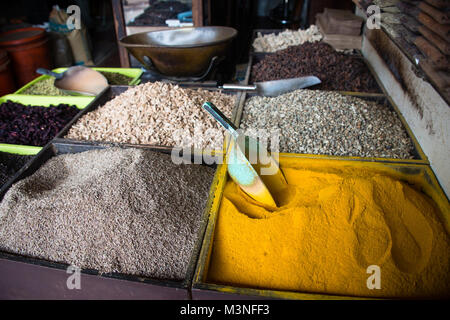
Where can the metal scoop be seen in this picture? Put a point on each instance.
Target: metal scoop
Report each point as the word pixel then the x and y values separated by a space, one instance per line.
pixel 276 87
pixel 260 179
pixel 78 80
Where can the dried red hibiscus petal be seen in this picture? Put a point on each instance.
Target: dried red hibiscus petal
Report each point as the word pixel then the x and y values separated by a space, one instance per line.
pixel 33 125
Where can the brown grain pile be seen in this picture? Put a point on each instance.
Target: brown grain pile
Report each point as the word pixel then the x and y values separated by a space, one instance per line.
pixel 157 114
pixel 113 210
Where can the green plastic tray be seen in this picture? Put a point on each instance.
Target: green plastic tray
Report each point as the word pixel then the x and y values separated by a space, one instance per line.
pixel 134 73
pixel 79 102
pixel 20 149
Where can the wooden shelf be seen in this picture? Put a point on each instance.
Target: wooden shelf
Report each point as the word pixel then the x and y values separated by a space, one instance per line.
pixel 414 55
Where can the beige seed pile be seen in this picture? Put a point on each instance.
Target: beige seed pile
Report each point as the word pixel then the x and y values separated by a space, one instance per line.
pixel 113 210
pixel 273 42
pixel 326 122
pixel 157 114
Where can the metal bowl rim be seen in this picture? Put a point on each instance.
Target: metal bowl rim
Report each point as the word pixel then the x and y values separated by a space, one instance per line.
pixel 132 45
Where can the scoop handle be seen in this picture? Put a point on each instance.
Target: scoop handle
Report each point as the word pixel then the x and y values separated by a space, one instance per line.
pixel 234 86
pixel 220 117
pixel 49 73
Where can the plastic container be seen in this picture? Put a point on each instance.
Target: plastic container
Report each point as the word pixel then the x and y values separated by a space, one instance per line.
pixel 79 102
pixel 7 84
pixel 28 49
pixel 134 73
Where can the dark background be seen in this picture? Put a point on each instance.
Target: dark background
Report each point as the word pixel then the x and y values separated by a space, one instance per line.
pixel 97 15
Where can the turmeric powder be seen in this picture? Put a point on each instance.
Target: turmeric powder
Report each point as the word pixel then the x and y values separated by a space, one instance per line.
pixel 333 223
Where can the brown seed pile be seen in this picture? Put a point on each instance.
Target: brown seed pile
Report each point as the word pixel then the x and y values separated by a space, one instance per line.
pixel 157 114
pixel 336 70
pixel 113 210
pixel 326 122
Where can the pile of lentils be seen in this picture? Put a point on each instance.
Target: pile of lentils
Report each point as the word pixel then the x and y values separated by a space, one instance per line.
pixel 116 79
pixel 46 87
pixel 337 70
pixel 329 123
pixel 129 211
pixel 33 125
pixel 9 164
pixel 156 113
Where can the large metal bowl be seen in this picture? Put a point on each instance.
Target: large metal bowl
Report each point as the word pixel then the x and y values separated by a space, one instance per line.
pixel 183 52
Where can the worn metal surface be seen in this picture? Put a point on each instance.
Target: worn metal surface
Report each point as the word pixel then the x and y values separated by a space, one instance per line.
pixel 34 280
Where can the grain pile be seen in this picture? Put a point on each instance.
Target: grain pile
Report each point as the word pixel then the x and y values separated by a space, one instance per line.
pixel 113 210
pixel 116 79
pixel 273 42
pixel 44 87
pixel 157 114
pixel 337 70
pixel 325 122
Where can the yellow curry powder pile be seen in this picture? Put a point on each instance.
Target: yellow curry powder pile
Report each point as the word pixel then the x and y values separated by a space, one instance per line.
pixel 331 226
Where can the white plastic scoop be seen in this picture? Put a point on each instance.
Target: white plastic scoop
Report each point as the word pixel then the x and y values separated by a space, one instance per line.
pixel 78 80
pixel 260 179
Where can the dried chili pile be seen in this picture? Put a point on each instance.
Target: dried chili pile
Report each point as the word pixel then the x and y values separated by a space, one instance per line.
pixel 32 125
pixel 336 70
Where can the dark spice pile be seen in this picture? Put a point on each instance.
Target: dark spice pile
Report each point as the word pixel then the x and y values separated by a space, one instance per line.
pixel 32 125
pixel 159 12
pixel 336 70
pixel 116 79
pixel 9 164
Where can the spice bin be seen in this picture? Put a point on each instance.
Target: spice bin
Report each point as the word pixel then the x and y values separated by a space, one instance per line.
pixel 418 175
pixel 79 102
pixel 25 277
pixel 114 91
pixel 258 57
pixel 418 154
pixel 133 73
